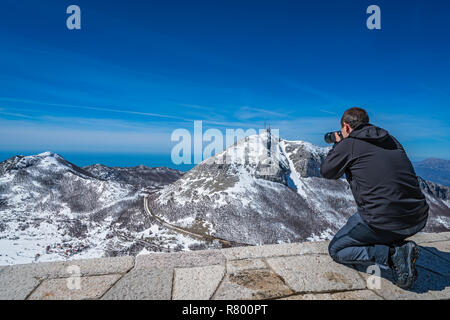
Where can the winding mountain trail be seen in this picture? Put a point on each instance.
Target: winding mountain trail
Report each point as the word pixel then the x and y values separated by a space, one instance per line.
pixel 225 243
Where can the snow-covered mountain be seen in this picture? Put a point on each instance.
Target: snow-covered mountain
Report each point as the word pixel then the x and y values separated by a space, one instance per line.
pixel 261 190
pixel 268 190
pixel 50 209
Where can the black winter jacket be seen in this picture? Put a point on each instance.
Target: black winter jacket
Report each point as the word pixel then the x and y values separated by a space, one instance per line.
pixel 382 178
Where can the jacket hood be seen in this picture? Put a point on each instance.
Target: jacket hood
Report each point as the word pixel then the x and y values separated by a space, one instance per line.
pixel 369 132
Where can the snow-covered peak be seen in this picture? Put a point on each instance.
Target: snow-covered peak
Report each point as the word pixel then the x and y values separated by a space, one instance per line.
pixel 255 152
pixel 45 163
pixel 261 159
pixel 49 154
pixel 50 161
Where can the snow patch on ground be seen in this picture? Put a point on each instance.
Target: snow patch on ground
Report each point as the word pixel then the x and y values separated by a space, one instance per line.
pixel 325 235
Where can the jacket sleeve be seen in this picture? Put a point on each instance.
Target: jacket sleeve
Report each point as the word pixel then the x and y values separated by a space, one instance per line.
pixel 337 160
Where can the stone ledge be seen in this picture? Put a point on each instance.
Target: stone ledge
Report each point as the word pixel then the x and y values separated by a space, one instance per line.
pixel 282 271
pixel 274 250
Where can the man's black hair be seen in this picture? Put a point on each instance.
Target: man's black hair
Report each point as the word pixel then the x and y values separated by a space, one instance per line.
pixel 355 117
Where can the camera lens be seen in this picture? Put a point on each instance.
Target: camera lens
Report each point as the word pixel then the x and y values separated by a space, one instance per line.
pixel 330 137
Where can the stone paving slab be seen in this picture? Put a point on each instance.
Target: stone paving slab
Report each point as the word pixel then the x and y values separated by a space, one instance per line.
pixel 274 250
pixel 252 284
pixel 234 266
pixel 428 285
pixel 64 269
pixel 16 285
pixel 347 295
pixel 198 283
pixel 64 289
pixel 315 273
pixel 138 284
pixel 180 259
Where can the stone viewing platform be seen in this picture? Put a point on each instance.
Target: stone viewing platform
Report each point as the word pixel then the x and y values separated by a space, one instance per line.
pixel 280 271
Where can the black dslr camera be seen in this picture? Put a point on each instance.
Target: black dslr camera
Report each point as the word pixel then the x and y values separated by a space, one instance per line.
pixel 331 138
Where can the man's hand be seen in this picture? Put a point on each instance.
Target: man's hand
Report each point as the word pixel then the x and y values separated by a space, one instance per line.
pixel 338 138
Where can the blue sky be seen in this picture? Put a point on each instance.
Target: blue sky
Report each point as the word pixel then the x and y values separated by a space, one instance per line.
pixel 114 91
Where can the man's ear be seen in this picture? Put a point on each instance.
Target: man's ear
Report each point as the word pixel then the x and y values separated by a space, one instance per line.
pixel 347 128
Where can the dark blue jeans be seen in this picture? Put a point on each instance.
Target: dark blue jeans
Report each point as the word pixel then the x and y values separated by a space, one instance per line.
pixel 358 243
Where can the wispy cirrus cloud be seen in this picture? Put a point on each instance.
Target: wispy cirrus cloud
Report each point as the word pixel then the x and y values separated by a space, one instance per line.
pixel 106 109
pixel 327 111
pixel 246 112
pixel 13 114
pixel 209 120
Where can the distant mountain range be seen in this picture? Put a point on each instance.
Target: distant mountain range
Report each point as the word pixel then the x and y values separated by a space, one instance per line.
pixel 140 176
pixel 268 190
pixel 436 170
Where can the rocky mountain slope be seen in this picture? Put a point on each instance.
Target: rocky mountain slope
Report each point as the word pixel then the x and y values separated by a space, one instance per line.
pixel 438 198
pixel 267 190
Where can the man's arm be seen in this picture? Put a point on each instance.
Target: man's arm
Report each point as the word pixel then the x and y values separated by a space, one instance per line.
pixel 337 160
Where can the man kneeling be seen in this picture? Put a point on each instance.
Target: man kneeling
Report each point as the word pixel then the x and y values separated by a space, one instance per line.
pixel 391 206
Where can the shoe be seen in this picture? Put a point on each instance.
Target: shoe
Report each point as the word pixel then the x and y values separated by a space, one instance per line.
pixel 403 264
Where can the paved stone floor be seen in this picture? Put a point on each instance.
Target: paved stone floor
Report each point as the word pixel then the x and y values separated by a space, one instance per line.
pixel 284 271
